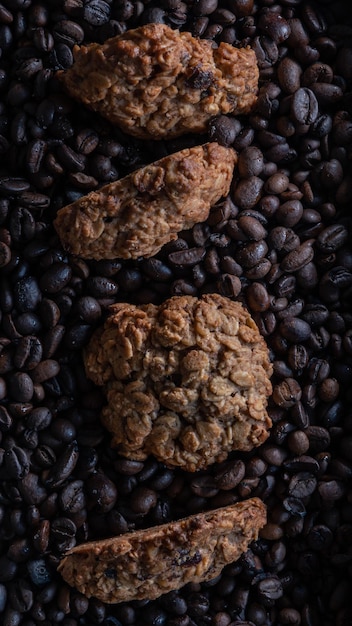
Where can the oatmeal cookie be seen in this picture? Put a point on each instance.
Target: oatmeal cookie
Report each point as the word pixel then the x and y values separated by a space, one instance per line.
pixel 186 381
pixel 137 215
pixel 155 82
pixel 145 564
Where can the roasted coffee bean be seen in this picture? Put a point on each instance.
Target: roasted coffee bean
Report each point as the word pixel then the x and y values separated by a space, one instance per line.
pixel 289 213
pixel 27 294
pixel 295 329
pixel 100 492
pixel 248 192
pixel 283 239
pixel 63 466
pixel 101 287
pixel 16 462
pixel 63 533
pixel 250 162
pixel 326 94
pixel 72 498
pixel 319 438
pixel 269 590
pixel 287 393
pixel 289 75
pixel 298 258
pixel 266 51
pixel 332 238
pixel 251 253
pixel 277 183
pixel 304 106
pixel 257 297
pixel 186 258
pixel 223 130
pixel 331 490
pixel 68 32
pixel 28 353
pixel 21 387
pixel 55 278
pixel 157 270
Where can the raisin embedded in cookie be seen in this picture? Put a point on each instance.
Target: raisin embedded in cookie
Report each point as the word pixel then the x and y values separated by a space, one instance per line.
pixel 187 381
pixel 137 215
pixel 148 563
pixel 155 82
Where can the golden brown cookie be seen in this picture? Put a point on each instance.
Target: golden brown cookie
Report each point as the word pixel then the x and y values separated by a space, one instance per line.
pixel 187 381
pixel 148 563
pixel 155 82
pixel 137 215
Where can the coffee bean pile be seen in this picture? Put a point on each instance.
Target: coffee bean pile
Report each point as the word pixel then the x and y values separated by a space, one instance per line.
pixel 280 243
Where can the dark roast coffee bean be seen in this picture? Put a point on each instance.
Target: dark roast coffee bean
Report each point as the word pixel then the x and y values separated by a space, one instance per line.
pixel 257 297
pixel 274 25
pixel 248 192
pixel 269 590
pixel 26 294
pixel 63 533
pixel 295 329
pixel 68 32
pixel 28 353
pixel 298 258
pixel 250 162
pixel 100 492
pixel 304 106
pixel 63 467
pixel 56 278
pixel 287 393
pixel 16 462
pixel 326 94
pixel 223 129
pixel 72 497
pixel 186 258
pixel 289 75
pixel 332 238
pixel 251 253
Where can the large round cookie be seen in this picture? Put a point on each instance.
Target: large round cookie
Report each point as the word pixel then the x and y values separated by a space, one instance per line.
pixel 187 381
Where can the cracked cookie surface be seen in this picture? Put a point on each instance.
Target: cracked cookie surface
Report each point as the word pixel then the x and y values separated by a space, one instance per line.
pixel 136 215
pixel 157 82
pixel 187 381
pixel 145 564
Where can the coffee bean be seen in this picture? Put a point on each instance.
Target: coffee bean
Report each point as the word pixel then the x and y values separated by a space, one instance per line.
pixel 325 93
pixel 287 393
pixel 100 491
pixel 63 533
pixel 266 50
pixel 223 130
pixel 289 213
pixel 186 258
pixel 289 75
pixel 63 466
pixel 331 490
pixel 295 329
pixel 304 106
pixel 16 462
pixel 269 590
pixel 251 253
pixel 250 162
pixel 332 238
pixel 257 297
pixel 230 475
pixel 28 353
pixel 72 497
pixel 55 278
pixel 298 258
